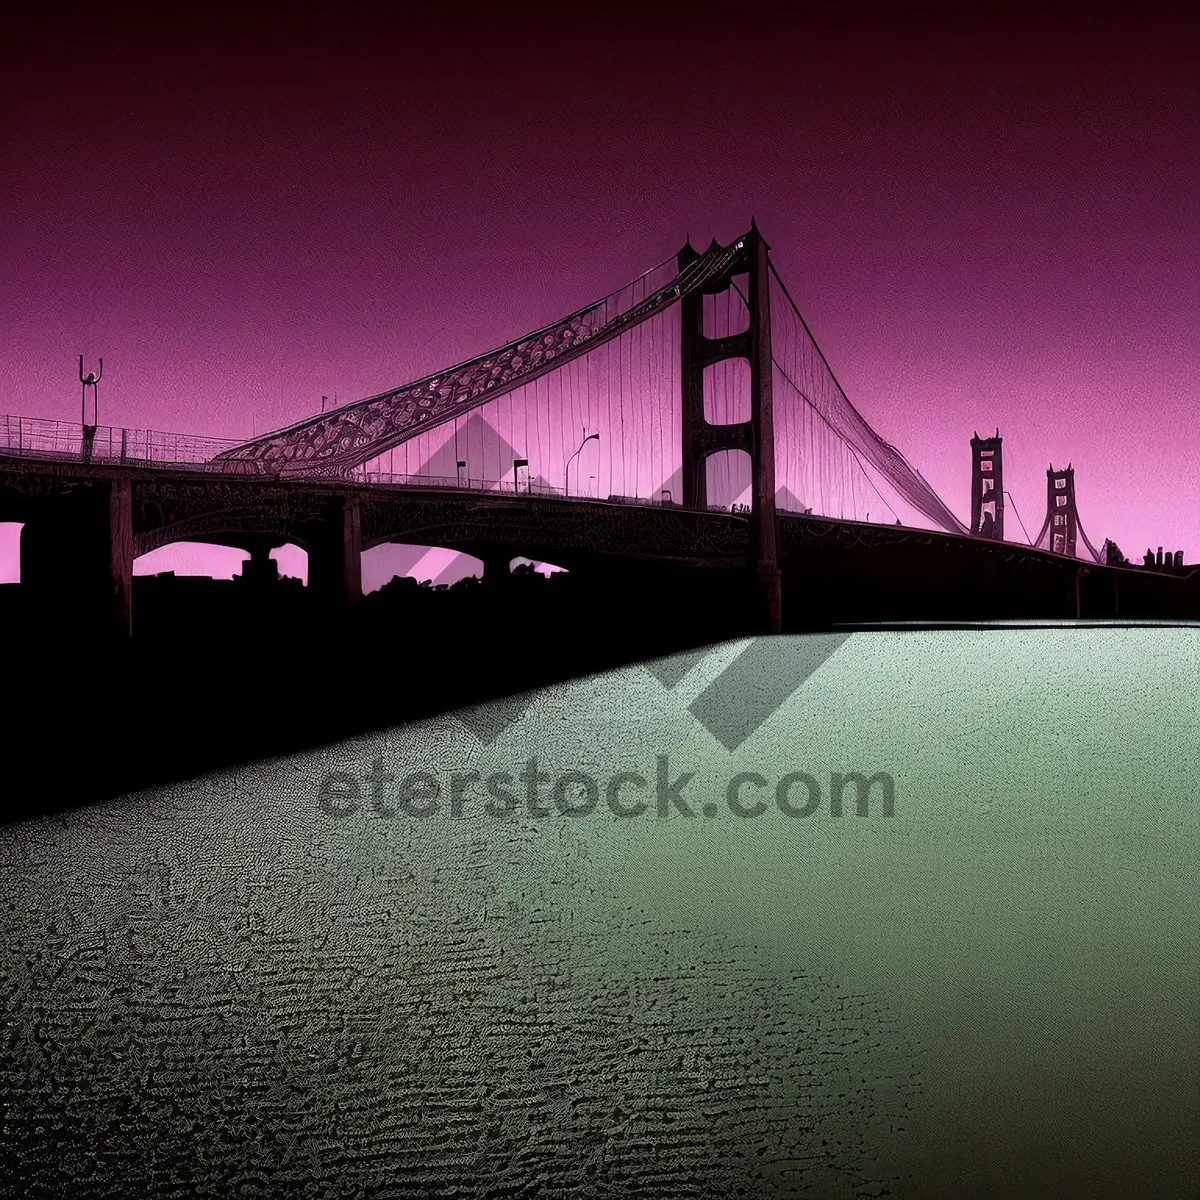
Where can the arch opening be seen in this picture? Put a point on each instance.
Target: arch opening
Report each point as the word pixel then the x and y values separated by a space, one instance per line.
pixel 727 392
pixel 10 551
pixel 292 561
pixel 211 560
pixel 431 565
pixel 540 568
pixel 729 478
pixel 726 313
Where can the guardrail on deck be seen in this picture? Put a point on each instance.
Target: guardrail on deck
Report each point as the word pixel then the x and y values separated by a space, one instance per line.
pixel 111 445
pixel 37 437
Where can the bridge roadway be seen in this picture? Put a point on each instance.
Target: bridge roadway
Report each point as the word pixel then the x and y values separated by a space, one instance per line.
pixel 86 523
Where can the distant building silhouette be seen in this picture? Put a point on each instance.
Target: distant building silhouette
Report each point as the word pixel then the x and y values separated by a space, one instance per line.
pixel 1163 560
pixel 1112 554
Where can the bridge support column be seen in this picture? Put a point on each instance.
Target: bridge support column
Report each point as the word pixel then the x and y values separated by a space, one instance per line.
pixel 764 534
pixel 77 559
pixel 756 437
pixel 770 600
pixel 260 567
pixel 335 556
pixel 497 568
pixel 120 575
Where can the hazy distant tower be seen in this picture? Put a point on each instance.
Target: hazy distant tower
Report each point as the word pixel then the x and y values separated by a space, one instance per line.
pixel 1062 521
pixel 987 487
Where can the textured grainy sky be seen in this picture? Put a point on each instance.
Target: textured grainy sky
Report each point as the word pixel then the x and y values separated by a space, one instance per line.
pixel 986 221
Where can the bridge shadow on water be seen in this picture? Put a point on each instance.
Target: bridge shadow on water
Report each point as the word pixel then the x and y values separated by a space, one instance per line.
pixel 221 672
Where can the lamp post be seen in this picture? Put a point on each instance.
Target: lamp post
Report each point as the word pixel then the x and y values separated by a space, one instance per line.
pixel 567 470
pixel 90 380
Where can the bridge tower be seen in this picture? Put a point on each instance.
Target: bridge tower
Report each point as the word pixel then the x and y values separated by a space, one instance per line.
pixel 757 435
pixel 987 487
pixel 1062 521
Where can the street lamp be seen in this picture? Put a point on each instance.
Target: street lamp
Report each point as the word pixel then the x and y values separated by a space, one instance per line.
pixel 567 470
pixel 90 380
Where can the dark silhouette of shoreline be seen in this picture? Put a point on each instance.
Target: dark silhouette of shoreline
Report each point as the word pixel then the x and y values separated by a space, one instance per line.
pixel 221 672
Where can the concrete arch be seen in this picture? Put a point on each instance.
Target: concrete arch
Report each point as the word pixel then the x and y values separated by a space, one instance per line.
pixel 222 529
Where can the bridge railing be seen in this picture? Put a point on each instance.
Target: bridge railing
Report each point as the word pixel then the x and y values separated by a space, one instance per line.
pixel 534 487
pixel 37 437
pixel 112 445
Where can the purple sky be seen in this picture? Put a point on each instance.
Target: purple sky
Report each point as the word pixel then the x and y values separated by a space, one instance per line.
pixel 985 225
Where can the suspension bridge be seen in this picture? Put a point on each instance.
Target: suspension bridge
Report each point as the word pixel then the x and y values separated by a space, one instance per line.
pixel 687 420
